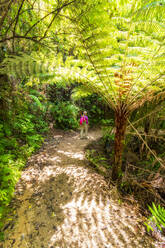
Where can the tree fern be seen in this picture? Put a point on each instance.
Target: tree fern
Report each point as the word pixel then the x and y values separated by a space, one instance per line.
pixel 121 44
pixel 122 56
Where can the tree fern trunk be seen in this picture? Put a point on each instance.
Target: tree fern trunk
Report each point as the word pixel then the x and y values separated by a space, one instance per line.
pixel 120 124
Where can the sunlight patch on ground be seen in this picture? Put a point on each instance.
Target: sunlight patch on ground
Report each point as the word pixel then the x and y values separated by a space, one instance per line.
pixel 90 137
pixel 93 219
pixel 55 159
pixel 78 173
pixel 68 205
pixel 57 136
pixel 77 155
pixel 32 173
pixel 90 224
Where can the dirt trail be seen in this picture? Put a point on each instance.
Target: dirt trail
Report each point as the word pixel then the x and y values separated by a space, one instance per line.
pixel 60 202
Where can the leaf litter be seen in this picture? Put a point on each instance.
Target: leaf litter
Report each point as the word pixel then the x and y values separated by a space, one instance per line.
pixel 60 201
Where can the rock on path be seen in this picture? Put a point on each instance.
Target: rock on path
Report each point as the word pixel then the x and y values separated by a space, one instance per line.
pixel 61 203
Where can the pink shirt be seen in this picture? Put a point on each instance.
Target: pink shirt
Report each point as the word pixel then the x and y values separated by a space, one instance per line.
pixel 83 118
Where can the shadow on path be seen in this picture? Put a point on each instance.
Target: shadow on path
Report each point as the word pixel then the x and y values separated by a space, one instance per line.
pixel 61 202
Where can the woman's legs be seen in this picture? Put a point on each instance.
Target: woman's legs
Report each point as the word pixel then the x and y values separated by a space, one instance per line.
pixel 81 131
pixel 86 130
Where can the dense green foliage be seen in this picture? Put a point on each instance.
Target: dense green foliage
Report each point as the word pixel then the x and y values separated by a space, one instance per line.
pixel 104 45
pixel 67 102
pixel 158 217
pixel 65 115
pixel 22 126
pixel 58 58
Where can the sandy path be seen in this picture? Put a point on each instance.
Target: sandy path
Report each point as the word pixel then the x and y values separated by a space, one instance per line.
pixel 60 202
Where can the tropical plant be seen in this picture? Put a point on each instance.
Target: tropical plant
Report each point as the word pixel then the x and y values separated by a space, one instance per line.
pixel 118 53
pixel 31 24
pixel 65 115
pixel 25 27
pixel 158 217
pixel 115 40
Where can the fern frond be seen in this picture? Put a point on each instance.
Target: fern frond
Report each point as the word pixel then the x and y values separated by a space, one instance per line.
pixel 37 101
pixel 154 9
pixel 22 66
pixel 80 92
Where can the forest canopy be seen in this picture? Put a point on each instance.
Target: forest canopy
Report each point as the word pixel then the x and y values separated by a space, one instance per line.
pixel 53 53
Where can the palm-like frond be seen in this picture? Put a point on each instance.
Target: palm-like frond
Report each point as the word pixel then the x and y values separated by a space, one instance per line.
pixel 115 46
pixel 151 10
pixel 120 51
pixel 23 66
pixel 121 47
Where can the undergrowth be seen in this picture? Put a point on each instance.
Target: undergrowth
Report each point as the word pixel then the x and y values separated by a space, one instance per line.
pixel 141 179
pixel 22 127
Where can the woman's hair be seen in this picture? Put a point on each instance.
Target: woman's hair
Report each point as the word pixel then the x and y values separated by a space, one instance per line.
pixel 85 112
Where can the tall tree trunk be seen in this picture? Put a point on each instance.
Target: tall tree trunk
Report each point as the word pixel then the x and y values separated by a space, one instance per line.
pixel 120 124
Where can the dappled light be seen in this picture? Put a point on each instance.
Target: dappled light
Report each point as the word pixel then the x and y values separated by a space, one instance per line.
pixel 65 203
pixel 73 155
pixel 82 126
pixel 95 222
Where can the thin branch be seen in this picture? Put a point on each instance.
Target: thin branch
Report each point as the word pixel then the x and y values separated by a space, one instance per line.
pixel 50 24
pixel 20 37
pixel 145 116
pixel 156 195
pixel 32 4
pixel 140 136
pixel 11 23
pixel 147 135
pixel 57 10
pixel 38 22
pixel 146 170
pixel 134 98
pixel 17 18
